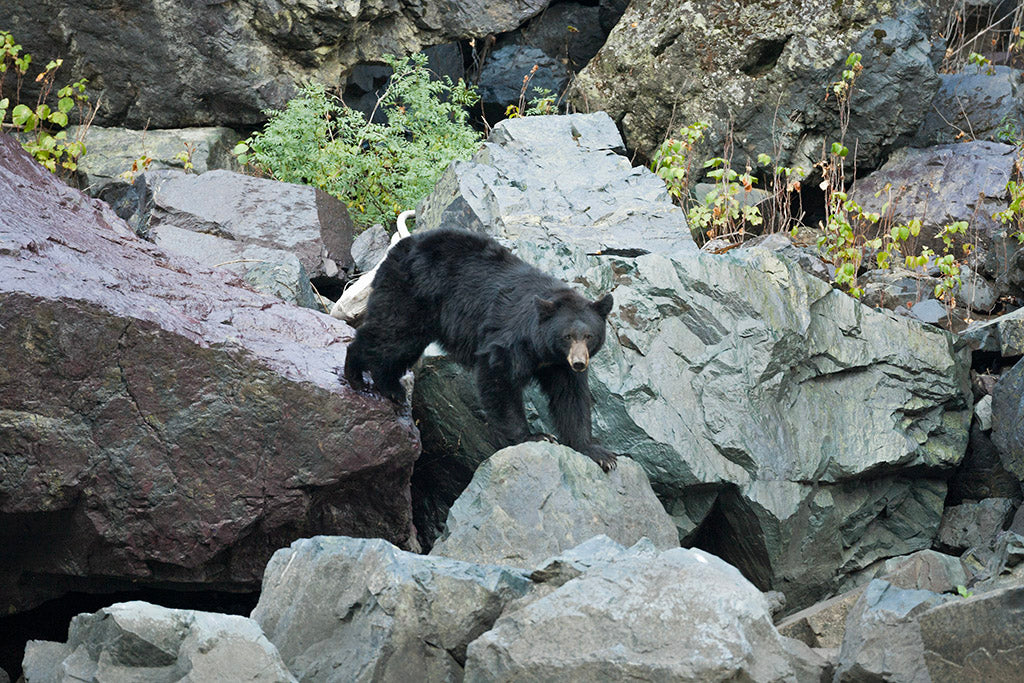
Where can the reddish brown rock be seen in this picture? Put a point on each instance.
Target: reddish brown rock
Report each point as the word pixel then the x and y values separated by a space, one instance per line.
pixel 161 423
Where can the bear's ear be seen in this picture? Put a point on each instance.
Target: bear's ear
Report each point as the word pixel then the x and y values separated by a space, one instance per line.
pixel 545 307
pixel 604 305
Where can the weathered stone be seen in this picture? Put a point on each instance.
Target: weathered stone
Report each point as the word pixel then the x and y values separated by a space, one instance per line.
pixel 568 31
pixel 941 185
pixel 823 624
pixel 712 625
pixel 137 641
pixel 883 639
pixel 929 311
pixel 369 247
pixel 347 609
pixel 976 293
pixel 226 64
pixel 1003 335
pixel 526 183
pixel 501 80
pixel 896 287
pixel 271 271
pixel 978 103
pixel 977 639
pixel 925 570
pixel 1008 419
pixel 159 423
pixel 759 75
pixel 973 523
pixel 254 211
pixel 534 500
pixel 112 151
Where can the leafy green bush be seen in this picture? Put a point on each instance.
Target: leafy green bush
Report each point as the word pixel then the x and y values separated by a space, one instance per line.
pixel 42 124
pixel 378 169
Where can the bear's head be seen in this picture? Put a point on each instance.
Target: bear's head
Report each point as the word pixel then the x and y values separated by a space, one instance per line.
pixel 572 327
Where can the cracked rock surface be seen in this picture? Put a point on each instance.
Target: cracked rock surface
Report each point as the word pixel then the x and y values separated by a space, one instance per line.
pixel 160 422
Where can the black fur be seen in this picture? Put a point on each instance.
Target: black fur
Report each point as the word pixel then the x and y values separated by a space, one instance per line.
pixel 491 312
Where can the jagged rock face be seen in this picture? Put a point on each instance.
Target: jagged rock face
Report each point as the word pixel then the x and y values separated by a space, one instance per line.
pixel 350 609
pixel 170 63
pixel 161 422
pixel 761 69
pixel 138 641
pixel 785 426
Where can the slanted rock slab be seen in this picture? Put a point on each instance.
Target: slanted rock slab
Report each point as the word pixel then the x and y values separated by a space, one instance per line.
pixel 138 641
pixel 348 609
pixel 531 501
pixel 162 423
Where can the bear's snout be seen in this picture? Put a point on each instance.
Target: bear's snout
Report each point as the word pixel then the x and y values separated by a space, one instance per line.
pixel 579 355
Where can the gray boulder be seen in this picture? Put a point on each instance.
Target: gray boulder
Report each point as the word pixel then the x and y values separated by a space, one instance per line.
pixel 978 103
pixel 137 641
pixel 678 615
pixel 737 381
pixel 369 247
pixel 1003 335
pixel 1008 419
pixel 272 271
pixel 501 79
pixel 759 74
pixel 943 184
pixel 883 639
pixel 161 423
pixel 558 178
pixel 974 523
pixel 228 63
pixel 347 609
pixel 976 639
pixel 306 221
pixel 112 151
pixel 534 500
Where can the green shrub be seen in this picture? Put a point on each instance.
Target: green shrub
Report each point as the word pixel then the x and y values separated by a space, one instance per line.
pixel 42 124
pixel 378 169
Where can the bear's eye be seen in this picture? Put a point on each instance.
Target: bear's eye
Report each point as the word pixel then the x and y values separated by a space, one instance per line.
pixel 568 337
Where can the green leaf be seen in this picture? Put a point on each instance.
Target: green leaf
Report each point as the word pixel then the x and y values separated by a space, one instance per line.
pixel 59 118
pixel 65 104
pixel 21 114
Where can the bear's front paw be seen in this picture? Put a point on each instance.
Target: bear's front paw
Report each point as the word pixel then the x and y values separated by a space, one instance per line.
pixel 603 457
pixel 541 436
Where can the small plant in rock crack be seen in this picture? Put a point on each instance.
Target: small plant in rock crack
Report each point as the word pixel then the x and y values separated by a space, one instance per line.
pixel 378 169
pixel 45 138
pixel 982 62
pixel 725 211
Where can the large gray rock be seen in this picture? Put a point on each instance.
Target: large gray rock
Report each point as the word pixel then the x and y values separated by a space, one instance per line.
pixel 760 72
pixel 943 184
pixel 272 271
pixel 112 151
pixel 501 79
pixel 883 639
pixel 347 609
pixel 977 639
pixel 978 103
pixel 733 379
pixel 161 423
pixel 1003 335
pixel 1008 419
pixel 680 615
pixel 534 500
pixel 223 63
pixel 137 641
pixel 260 212
pixel 973 523
pixel 558 178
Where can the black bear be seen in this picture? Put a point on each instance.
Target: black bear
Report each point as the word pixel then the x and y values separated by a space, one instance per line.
pixel 494 313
